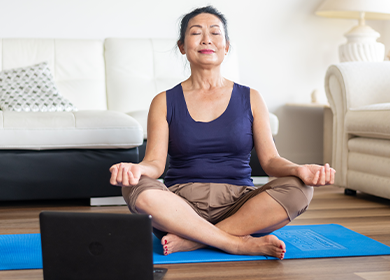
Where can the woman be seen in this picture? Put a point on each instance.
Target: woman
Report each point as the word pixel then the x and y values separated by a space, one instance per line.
pixel 209 126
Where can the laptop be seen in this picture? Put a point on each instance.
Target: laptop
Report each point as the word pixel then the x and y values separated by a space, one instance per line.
pixel 97 246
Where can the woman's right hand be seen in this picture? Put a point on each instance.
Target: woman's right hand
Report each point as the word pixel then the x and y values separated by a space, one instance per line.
pixel 125 174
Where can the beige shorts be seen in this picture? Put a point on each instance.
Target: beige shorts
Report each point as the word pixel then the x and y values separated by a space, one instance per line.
pixel 215 202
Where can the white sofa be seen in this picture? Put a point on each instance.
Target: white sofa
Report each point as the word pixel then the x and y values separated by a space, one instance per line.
pixel 63 155
pixel 359 96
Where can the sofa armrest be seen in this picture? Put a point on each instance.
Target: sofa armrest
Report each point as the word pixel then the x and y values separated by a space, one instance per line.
pixel 141 116
pixel 352 85
pixel 274 123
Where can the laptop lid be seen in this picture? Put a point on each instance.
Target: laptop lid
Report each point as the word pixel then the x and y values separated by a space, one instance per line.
pixel 96 246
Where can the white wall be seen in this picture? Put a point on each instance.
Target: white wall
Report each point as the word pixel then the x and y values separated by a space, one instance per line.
pixel 284 48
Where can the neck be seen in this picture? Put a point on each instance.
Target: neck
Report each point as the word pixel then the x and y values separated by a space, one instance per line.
pixel 206 79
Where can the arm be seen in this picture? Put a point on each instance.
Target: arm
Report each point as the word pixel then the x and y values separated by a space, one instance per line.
pixel 272 163
pixel 153 164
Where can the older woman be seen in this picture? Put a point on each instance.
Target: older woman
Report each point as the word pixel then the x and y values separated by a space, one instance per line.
pixel 208 125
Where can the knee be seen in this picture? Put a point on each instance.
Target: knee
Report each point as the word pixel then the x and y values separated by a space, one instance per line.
pixel 293 195
pixel 302 195
pixel 138 197
pixel 308 191
pixel 144 201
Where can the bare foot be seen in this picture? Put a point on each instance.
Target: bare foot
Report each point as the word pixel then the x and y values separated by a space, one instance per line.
pixel 268 245
pixel 173 243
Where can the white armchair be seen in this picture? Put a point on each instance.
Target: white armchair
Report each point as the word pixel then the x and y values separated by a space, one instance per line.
pixel 359 96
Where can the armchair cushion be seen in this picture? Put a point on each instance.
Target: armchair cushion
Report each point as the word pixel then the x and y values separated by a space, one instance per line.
pixel 369 121
pixel 369 165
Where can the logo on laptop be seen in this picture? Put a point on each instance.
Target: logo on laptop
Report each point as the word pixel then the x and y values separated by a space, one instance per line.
pixel 96 248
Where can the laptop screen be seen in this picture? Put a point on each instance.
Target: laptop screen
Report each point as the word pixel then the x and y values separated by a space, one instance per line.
pixel 96 246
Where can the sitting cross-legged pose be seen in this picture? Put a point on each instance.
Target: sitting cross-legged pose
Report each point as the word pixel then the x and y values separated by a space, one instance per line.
pixel 208 125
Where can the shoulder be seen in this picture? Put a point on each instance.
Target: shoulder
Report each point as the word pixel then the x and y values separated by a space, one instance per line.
pixel 257 103
pixel 161 101
pixel 255 96
pixel 160 98
pixel 158 105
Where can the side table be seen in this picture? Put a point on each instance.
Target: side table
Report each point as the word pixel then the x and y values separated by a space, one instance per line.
pixel 327 127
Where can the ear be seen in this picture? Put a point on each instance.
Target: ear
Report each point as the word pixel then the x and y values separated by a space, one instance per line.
pixel 180 45
pixel 227 47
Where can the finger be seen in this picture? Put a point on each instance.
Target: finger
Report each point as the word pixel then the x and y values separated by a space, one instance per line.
pixel 120 174
pixel 137 174
pixel 132 179
pixel 125 177
pixel 316 178
pixel 322 176
pixel 113 167
pixel 327 173
pixel 114 173
pixel 332 175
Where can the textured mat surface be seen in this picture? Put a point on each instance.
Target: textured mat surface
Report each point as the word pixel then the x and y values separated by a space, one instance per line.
pixel 20 251
pixel 23 251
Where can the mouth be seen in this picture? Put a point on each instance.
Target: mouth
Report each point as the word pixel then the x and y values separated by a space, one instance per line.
pixel 206 51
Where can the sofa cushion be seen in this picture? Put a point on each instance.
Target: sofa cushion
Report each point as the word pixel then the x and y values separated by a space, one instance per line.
pixel 69 130
pixel 369 121
pixel 31 88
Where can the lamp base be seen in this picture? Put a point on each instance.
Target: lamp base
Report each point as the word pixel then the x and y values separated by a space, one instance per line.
pixel 362 45
pixel 362 52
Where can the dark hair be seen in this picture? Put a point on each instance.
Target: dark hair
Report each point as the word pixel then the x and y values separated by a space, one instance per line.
pixel 204 10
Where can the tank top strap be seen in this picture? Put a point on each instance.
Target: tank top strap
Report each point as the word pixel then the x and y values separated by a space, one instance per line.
pixel 240 100
pixel 175 103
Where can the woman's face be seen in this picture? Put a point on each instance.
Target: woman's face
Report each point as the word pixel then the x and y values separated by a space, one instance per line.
pixel 204 42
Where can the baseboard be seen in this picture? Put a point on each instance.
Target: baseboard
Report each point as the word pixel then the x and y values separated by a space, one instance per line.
pixel 107 201
pixel 260 180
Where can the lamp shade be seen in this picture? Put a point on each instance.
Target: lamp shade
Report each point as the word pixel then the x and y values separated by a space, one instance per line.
pixel 373 9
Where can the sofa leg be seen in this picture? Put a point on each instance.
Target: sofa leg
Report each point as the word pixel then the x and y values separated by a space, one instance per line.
pixel 349 192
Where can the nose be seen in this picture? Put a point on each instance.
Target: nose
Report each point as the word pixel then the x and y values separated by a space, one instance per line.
pixel 206 40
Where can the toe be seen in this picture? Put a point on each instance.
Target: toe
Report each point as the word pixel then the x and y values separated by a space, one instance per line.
pixel 282 245
pixel 164 240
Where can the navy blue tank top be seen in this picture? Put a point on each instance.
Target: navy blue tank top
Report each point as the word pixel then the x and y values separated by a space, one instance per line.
pixel 211 152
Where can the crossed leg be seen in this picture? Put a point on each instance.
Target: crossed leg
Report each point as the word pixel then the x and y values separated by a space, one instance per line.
pixel 188 231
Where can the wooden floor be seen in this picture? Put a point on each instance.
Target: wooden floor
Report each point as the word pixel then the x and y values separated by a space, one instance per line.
pixel 365 214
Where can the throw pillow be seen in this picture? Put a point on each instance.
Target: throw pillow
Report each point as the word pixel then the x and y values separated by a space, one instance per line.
pixel 31 89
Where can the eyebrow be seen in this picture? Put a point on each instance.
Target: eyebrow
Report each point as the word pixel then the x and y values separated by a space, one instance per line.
pixel 196 25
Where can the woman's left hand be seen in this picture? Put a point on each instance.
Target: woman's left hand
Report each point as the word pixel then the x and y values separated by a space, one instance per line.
pixel 316 175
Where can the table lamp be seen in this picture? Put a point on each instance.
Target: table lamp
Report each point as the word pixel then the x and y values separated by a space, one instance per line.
pixel 361 40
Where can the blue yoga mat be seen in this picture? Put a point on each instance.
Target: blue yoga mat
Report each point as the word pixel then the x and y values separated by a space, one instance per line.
pixel 23 251
pixel 312 241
